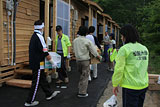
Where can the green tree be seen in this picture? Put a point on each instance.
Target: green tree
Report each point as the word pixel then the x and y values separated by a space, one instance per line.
pixel 122 11
pixel 149 25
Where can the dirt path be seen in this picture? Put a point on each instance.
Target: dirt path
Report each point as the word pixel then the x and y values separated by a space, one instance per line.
pixel 152 98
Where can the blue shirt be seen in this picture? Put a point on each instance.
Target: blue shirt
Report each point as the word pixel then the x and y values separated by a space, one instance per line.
pixel 59 46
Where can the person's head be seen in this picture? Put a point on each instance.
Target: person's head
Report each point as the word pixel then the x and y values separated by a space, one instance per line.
pixel 39 25
pixel 129 34
pixel 59 30
pixel 91 29
pixel 83 30
pixel 106 33
pixel 111 36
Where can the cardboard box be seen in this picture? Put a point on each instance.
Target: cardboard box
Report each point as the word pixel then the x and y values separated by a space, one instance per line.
pixel 95 60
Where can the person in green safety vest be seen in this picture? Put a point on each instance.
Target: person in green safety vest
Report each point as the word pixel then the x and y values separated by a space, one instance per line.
pixel 112 52
pixel 62 47
pixel 131 69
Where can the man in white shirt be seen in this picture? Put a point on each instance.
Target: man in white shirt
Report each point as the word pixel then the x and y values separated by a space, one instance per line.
pixel 106 41
pixel 91 38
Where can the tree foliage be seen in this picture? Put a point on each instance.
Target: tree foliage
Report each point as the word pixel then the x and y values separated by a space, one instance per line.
pixel 143 14
pixel 149 25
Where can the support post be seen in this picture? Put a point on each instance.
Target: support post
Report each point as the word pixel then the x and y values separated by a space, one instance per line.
pixel 104 26
pixel 97 23
pixel 68 60
pixel 118 37
pixel 115 34
pixel 54 23
pixel 46 18
pixel 111 27
pixel 90 15
pixel 1 33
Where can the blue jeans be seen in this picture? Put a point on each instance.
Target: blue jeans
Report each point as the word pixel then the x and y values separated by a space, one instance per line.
pixel 133 98
pixel 106 47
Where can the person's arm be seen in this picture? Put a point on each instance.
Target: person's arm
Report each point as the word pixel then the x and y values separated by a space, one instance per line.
pixel 114 44
pixel 119 67
pixel 97 42
pixel 68 44
pixel 40 48
pixel 93 50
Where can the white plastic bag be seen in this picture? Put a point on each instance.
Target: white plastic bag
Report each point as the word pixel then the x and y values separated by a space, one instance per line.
pixel 112 102
pixel 57 60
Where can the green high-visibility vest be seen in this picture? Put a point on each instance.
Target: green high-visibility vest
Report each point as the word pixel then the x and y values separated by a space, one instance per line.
pixel 113 54
pixel 131 67
pixel 65 44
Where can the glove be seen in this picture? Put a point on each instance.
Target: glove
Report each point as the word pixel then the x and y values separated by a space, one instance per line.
pixel 51 61
pixel 54 65
pixel 100 58
pixel 69 56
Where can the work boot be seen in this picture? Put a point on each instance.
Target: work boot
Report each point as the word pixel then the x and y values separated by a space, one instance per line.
pixel 32 104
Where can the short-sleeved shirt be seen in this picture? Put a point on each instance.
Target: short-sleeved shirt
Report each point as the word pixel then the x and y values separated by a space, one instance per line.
pixel 113 42
pixel 106 39
pixel 91 38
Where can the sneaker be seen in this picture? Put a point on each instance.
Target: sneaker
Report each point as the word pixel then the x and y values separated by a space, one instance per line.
pixel 94 78
pixel 82 95
pixel 32 104
pixel 59 82
pixel 111 70
pixel 54 94
pixel 66 80
pixel 63 87
pixel 89 81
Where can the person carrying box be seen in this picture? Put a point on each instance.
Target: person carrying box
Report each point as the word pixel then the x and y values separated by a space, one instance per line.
pixel 82 47
pixel 37 53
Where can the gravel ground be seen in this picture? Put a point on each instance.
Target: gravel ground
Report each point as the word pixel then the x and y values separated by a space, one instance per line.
pixel 152 97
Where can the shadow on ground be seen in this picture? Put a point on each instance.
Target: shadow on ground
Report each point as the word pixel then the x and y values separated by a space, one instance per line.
pixel 15 97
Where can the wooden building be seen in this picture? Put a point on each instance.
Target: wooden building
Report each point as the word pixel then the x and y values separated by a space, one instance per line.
pixel 70 14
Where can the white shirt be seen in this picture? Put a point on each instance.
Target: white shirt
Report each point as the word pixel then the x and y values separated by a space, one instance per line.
pixel 113 42
pixel 106 38
pixel 91 38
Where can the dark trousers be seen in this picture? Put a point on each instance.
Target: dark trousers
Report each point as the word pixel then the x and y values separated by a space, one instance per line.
pixel 133 98
pixel 62 73
pixel 38 78
pixel 106 47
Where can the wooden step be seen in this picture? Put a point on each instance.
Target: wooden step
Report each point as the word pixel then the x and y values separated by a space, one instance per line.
pixel 26 63
pixel 19 83
pixel 24 71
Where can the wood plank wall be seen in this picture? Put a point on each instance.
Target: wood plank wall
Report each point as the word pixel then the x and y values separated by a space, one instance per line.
pixel 27 14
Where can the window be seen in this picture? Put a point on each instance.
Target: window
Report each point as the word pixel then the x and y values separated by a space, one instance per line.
pixel 100 29
pixel 63 16
pixel 106 27
pixel 95 25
